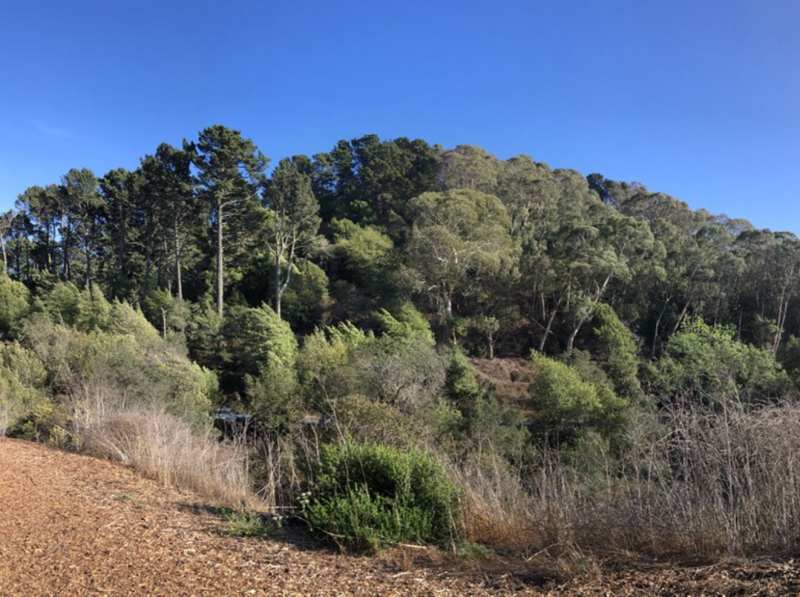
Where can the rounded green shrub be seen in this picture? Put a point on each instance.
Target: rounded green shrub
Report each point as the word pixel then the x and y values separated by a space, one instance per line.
pixel 372 496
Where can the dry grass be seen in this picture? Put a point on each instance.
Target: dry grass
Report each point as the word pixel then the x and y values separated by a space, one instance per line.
pixel 700 484
pixel 167 449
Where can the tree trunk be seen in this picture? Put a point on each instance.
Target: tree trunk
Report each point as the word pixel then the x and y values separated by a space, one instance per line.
pixel 148 260
pixel 681 316
pixel 178 279
pixel 5 257
pixel 547 330
pixel 66 269
pixel 88 278
pixel 658 324
pixel 278 289
pixel 572 336
pixel 220 272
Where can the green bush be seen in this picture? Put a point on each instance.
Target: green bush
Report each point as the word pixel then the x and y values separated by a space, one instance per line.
pixel 565 405
pixel 371 496
pixel 706 364
pixel 14 305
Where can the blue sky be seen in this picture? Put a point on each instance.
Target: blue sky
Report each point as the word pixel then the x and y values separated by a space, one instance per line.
pixel 699 99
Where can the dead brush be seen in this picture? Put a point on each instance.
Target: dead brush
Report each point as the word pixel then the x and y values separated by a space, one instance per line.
pixel 167 449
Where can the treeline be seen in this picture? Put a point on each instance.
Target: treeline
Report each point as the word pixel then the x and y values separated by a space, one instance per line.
pixel 500 255
pixel 354 284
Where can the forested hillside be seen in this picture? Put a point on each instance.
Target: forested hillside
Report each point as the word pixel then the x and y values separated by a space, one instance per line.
pixel 355 285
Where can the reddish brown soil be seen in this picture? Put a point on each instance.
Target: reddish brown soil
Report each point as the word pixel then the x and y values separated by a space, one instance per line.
pixel 72 525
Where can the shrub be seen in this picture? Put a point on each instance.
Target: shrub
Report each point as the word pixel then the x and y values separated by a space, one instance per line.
pixel 22 379
pixel 706 364
pixel 14 304
pixel 405 322
pixel 253 336
pixel 371 496
pixel 564 403
pixel 619 350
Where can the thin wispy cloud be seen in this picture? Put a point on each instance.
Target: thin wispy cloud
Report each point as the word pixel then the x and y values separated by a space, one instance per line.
pixel 52 131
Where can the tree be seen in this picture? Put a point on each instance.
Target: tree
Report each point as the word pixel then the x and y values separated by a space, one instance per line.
pixel 458 238
pixel 232 170
pixel 6 221
pixel 469 167
pixel 564 403
pixel 613 248
pixel 707 365
pixel 770 280
pixel 256 340
pixel 121 191
pixel 371 182
pixel 84 203
pixel 619 350
pixel 14 305
pixel 42 207
pixel 295 221
pixel 171 187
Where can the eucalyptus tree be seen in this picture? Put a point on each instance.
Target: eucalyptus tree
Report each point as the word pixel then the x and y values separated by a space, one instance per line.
pixel 295 221
pixel 459 238
pixel 469 167
pixel 530 192
pixel 772 282
pixel 231 172
pixel 617 247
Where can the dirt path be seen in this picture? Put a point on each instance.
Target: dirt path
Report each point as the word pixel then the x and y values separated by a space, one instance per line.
pixel 73 525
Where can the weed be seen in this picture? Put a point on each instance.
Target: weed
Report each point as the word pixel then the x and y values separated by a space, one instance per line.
pixel 243 523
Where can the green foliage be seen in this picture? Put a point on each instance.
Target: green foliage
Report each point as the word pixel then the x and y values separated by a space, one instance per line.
pixel 126 368
pixel 14 305
pixel 406 373
pixel 305 298
pixel 22 384
pixel 62 303
pixel 244 523
pixel 365 254
pixel 371 496
pixel 203 334
pixel 274 395
pixel 564 403
pixel 619 350
pixel 789 358
pixel 706 365
pixel 253 336
pixel 162 309
pixel 460 238
pixel 295 221
pixel 405 322
pixel 46 422
pixel 460 384
pixel 367 421
pixel 94 311
pixel 323 363
pixel 127 321
pixel 86 310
